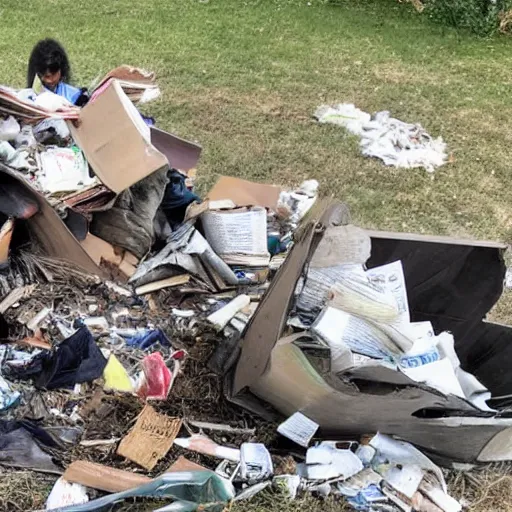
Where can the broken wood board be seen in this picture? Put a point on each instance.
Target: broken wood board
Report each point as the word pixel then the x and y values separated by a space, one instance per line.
pixel 150 439
pixel 15 296
pixel 103 478
pixel 163 283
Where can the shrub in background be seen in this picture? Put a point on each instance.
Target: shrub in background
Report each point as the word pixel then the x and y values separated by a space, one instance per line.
pixel 483 17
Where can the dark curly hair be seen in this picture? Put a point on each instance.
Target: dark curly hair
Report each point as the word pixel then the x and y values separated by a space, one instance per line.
pixel 48 55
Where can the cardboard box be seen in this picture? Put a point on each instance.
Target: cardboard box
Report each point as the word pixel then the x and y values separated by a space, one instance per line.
pixel 452 283
pixel 120 147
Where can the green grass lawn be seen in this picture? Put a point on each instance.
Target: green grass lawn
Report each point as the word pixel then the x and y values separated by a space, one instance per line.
pixel 244 77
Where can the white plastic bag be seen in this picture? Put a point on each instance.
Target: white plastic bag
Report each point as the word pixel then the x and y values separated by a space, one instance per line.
pixel 9 128
pixel 52 102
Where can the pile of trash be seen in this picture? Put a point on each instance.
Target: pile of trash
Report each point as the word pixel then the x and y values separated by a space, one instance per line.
pixel 396 143
pixel 198 351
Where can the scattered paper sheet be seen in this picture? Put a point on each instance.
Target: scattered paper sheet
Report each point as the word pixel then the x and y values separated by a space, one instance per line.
pixel 338 329
pixel 396 143
pixel 391 277
pixel 299 428
pixel 342 245
pixel 150 439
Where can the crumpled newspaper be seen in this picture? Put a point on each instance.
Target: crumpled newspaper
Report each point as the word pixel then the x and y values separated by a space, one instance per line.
pixel 396 143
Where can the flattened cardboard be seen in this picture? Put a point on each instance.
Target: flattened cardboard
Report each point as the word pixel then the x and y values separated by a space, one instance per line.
pixel 103 478
pixel 150 439
pixel 116 141
pixel 451 284
pixel 245 193
pixel 180 153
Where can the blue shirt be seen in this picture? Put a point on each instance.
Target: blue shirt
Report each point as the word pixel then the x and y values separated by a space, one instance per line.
pixel 67 91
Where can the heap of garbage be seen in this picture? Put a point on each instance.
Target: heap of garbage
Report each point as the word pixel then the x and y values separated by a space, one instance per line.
pixel 198 351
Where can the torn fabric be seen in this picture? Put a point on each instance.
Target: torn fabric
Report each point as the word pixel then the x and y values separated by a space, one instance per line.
pixel 129 223
pixel 77 359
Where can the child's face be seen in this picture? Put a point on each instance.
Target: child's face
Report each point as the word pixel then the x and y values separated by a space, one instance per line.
pixel 51 79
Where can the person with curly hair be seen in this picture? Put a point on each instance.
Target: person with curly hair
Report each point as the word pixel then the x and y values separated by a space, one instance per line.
pixel 49 62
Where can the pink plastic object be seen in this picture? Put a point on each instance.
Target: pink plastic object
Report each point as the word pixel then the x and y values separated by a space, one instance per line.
pixel 157 378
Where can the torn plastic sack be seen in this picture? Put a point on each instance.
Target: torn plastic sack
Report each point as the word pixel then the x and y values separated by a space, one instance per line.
pixel 191 490
pixel 148 337
pixel 77 359
pixel 19 449
pixel 63 170
pixel 129 223
pixel 176 199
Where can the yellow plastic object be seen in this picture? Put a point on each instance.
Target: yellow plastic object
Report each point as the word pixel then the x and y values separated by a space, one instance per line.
pixel 116 378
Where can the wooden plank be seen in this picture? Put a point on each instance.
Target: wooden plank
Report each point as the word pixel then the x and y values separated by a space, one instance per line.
pixel 103 478
pixel 163 283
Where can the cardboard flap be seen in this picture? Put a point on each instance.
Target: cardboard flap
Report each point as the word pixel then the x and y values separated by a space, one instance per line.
pixel 180 153
pixel 245 193
pixel 52 234
pixel 116 141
